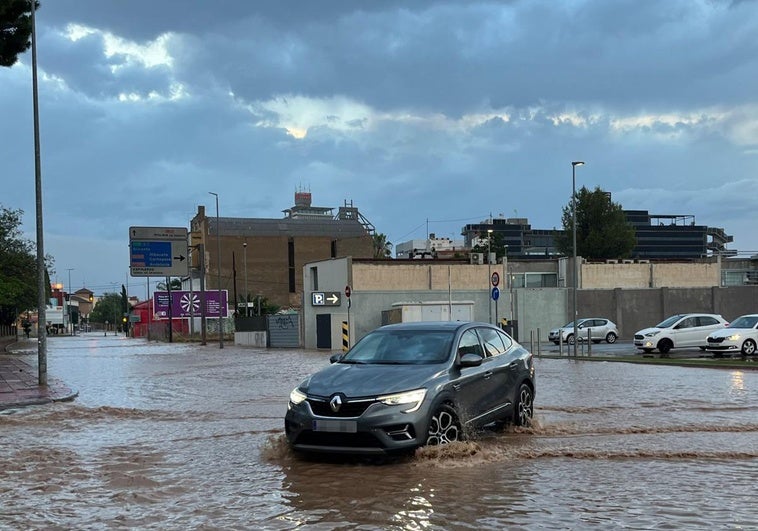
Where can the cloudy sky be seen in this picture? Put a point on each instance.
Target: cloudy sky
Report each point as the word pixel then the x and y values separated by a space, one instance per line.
pixel 418 112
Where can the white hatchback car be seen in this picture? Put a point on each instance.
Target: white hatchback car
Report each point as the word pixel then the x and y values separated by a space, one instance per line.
pixel 598 328
pixel 740 337
pixel 679 331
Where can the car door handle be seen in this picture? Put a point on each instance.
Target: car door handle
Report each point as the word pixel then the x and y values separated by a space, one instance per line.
pixel 487 374
pixel 513 365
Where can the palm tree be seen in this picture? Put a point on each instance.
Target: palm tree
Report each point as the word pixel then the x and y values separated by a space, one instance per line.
pixel 382 247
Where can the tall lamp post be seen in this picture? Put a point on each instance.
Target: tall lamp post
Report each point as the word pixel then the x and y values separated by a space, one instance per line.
pixel 68 302
pixel 218 264
pixel 244 245
pixel 489 271
pixel 574 164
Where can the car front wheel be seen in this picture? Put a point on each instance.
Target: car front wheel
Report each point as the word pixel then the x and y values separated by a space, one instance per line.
pixel 444 426
pixel 664 345
pixel 570 339
pixel 610 338
pixel 524 406
pixel 748 347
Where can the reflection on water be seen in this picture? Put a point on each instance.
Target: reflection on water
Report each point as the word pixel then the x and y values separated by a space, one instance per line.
pixel 181 436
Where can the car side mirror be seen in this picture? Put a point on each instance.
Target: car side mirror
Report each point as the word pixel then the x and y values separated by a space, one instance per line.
pixel 471 360
pixel 334 358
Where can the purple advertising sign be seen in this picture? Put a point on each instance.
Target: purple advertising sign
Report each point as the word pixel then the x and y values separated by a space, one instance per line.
pixel 185 304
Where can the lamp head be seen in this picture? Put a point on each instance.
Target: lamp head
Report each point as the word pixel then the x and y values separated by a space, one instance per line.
pixel 577 163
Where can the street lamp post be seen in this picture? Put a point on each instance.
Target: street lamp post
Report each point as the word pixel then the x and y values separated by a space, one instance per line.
pixel 489 271
pixel 574 164
pixel 218 264
pixel 68 302
pixel 244 245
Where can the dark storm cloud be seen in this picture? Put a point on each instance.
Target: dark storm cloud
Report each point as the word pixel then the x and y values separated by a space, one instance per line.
pixel 419 112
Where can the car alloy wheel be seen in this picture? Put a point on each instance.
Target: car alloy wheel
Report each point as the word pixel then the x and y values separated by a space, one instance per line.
pixel 524 406
pixel 444 426
pixel 610 338
pixel 570 339
pixel 748 347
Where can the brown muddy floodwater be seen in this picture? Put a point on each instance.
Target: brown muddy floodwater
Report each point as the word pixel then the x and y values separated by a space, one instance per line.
pixel 172 436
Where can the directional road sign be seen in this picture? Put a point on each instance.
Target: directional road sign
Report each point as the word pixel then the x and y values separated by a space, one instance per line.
pixel 158 252
pixel 326 298
pixel 495 294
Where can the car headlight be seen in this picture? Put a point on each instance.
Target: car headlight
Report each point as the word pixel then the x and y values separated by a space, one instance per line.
pixel 734 337
pixel 413 398
pixel 652 334
pixel 297 396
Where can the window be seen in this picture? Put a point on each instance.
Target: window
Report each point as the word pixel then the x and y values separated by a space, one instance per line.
pixel 705 320
pixel 314 278
pixel 469 344
pixel 493 342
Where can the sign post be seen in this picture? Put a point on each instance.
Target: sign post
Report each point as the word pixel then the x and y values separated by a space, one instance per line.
pixel 348 292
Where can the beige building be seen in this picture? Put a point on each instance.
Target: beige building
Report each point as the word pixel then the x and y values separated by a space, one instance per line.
pixel 265 257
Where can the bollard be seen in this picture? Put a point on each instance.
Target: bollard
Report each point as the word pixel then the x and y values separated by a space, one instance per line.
pixel 589 342
pixel 539 342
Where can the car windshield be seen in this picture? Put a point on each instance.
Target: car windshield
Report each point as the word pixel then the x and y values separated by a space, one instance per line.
pixel 746 321
pixel 401 347
pixel 668 322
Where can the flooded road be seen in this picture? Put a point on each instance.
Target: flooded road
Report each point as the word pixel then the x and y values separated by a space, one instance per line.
pixel 175 436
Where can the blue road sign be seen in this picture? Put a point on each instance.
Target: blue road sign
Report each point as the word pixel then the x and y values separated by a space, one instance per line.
pixel 495 294
pixel 151 254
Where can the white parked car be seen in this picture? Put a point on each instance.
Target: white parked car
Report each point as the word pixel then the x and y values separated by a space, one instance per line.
pixel 740 337
pixel 599 329
pixel 679 331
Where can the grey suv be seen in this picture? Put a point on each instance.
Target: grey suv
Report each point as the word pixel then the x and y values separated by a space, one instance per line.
pixel 412 384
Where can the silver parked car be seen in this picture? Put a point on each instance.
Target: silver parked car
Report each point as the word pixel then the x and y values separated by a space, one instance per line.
pixel 412 384
pixel 599 329
pixel 740 337
pixel 680 330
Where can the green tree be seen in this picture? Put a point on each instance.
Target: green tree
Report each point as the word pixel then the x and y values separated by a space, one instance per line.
pixel 109 308
pixel 602 231
pixel 15 29
pixel 495 245
pixel 175 283
pixel 382 247
pixel 18 268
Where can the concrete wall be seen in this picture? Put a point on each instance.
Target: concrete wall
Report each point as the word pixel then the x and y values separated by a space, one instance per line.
pixel 650 275
pixel 377 287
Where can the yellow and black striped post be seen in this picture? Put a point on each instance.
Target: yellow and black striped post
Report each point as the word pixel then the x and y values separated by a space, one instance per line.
pixel 345 337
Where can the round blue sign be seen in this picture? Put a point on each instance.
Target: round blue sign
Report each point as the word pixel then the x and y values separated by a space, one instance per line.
pixel 495 294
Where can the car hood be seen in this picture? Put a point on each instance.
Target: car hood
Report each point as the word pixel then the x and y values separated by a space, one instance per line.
pixel 356 380
pixel 726 332
pixel 648 330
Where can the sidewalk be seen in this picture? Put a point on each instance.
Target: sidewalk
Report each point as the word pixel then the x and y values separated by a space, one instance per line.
pixel 19 380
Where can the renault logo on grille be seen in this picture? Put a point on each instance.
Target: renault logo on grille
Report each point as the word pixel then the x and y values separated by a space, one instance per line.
pixel 335 403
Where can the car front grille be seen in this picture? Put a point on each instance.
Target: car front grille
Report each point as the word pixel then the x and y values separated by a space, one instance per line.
pixel 715 340
pixel 639 336
pixel 347 409
pixel 344 440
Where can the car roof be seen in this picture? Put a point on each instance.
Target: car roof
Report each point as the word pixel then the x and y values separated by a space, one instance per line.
pixel 433 325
